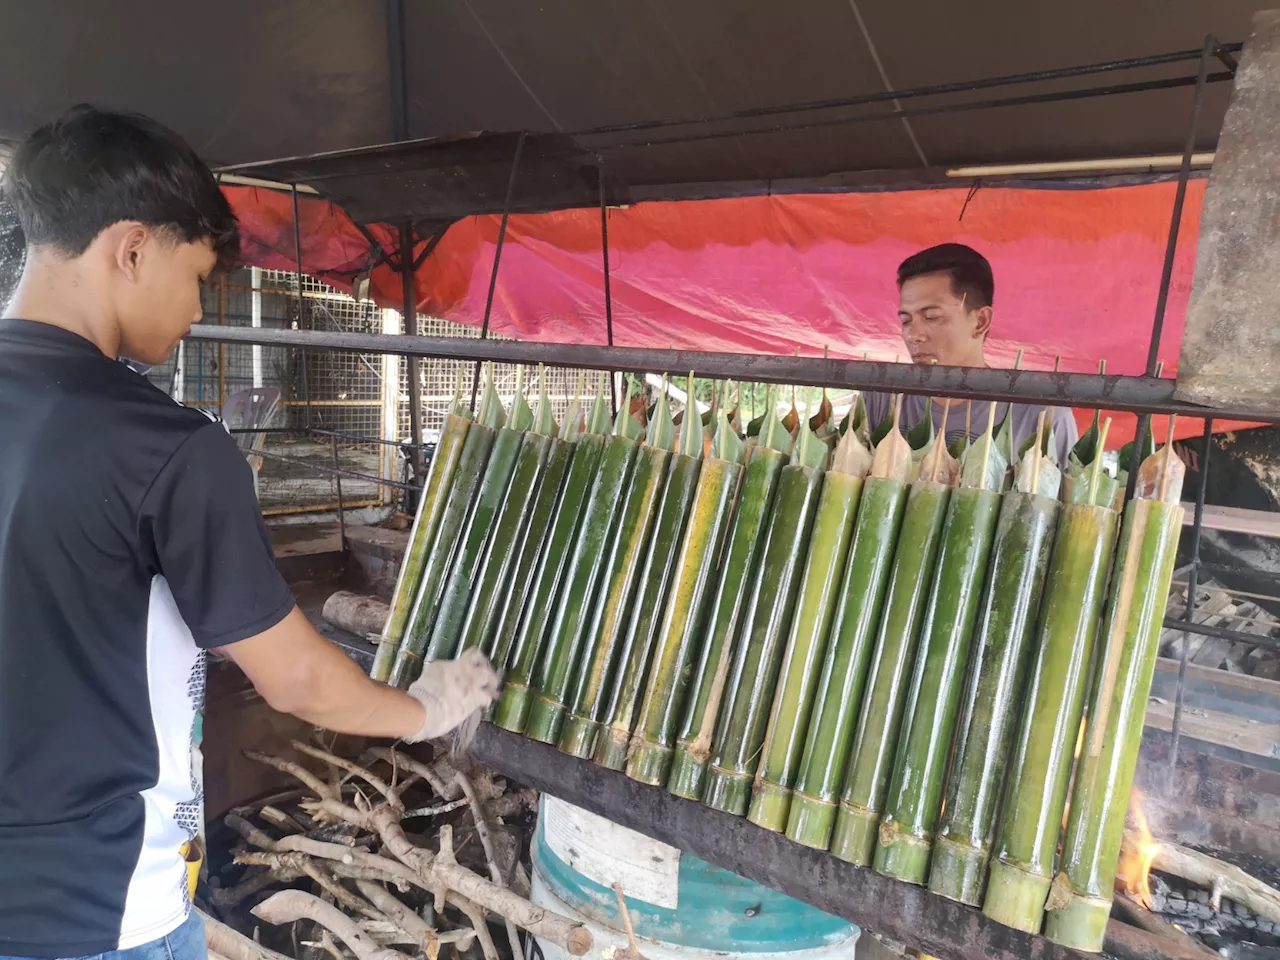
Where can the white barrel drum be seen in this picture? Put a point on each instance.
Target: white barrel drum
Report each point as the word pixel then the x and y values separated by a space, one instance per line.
pixel 682 908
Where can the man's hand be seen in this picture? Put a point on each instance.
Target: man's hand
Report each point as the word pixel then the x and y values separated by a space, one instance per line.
pixel 452 690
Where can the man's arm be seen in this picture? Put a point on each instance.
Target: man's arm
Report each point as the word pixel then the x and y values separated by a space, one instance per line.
pixel 207 539
pixel 300 672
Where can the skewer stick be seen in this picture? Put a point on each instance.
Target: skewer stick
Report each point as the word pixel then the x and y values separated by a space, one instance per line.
pixel 968 421
pixel 1035 461
pixel 1102 367
pixel 1164 467
pixel 897 410
pixel 986 454
pixel 1017 361
pixel 1057 363
pixel 1097 462
pixel 937 459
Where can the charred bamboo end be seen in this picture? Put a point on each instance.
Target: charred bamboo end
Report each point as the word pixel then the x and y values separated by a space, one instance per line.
pixel 650 763
pixel 1015 897
pixel 727 792
pixel 811 822
pixel 1081 924
pixel 770 806
pixel 578 739
pixel 854 839
pixel 687 774
pixel 902 856
pixel 958 871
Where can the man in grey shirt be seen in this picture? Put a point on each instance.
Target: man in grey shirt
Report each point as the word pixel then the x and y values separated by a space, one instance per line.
pixel 945 296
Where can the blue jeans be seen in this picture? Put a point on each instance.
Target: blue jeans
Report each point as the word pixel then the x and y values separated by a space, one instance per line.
pixel 185 943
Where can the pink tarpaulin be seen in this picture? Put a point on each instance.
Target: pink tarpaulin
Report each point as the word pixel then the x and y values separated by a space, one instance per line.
pixel 1077 270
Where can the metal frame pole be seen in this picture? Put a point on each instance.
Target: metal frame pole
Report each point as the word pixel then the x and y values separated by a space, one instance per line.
pixel 1171 248
pixel 1193 583
pixel 302 304
pixel 608 291
pixel 409 327
pixel 497 260
pixel 337 479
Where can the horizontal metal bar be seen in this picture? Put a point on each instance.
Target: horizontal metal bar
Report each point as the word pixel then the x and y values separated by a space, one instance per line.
pixel 903 911
pixel 1134 394
pixel 352 437
pixel 1222 633
pixel 331 471
pixel 1061 96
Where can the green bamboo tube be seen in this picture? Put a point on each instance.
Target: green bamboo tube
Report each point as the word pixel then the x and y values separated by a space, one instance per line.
pixel 514 590
pixel 512 712
pixel 654 585
pixel 867 773
pixel 435 493
pixel 467 477
pixel 844 670
pixel 735 577
pixel 652 745
pixel 625 556
pixel 567 632
pixel 741 726
pixel 473 545
pixel 1080 901
pixel 503 548
pixel 1021 868
pixel 806 645
pixel 914 800
pixel 993 695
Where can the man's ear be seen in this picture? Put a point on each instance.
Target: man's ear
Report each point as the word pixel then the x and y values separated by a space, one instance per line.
pixel 129 248
pixel 983 325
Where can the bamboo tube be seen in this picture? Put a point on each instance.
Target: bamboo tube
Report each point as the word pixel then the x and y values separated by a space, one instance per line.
pixel 478 536
pixel 654 586
pixel 435 494
pixel 621 702
pixel 505 545
pixel 1036 790
pixel 626 551
pixel 512 711
pixel 867 774
pixel 468 476
pixel 740 728
pixel 1080 899
pixel 993 695
pixel 806 646
pixel 516 590
pixel 844 670
pixel 736 573
pixel 913 802
pixel 652 744
pixel 566 636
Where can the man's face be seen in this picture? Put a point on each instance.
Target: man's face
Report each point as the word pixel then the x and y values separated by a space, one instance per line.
pixel 161 301
pixel 937 326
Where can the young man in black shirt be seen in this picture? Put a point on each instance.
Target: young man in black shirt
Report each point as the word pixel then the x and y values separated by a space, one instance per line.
pixel 130 544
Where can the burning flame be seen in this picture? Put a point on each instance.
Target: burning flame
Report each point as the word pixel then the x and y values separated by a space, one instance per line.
pixel 1140 849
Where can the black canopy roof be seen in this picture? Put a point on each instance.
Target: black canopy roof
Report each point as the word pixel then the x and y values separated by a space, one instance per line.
pixel 248 81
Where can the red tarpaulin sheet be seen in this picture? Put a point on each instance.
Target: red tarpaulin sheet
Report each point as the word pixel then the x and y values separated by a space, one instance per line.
pixel 1077 270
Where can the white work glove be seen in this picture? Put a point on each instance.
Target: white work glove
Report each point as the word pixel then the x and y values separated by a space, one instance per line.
pixel 450 691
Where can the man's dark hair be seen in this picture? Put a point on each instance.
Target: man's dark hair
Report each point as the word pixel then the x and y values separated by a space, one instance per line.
pixel 76 176
pixel 970 272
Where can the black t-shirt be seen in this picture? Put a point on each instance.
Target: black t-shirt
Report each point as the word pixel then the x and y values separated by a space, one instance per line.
pixel 130 542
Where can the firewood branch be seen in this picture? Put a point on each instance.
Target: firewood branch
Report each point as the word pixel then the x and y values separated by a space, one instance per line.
pixel 1222 878
pixel 290 905
pixel 384 788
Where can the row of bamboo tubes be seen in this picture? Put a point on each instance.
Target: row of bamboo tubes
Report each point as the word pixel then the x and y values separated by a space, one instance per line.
pixel 931 660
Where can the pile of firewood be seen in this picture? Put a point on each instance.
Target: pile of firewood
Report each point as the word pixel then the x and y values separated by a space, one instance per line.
pixel 344 867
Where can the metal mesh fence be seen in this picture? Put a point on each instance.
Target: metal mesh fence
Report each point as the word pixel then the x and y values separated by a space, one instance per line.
pixel 328 398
